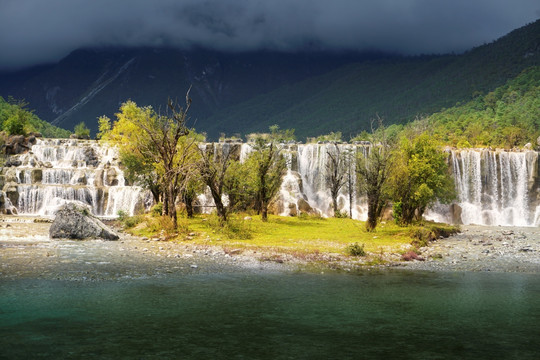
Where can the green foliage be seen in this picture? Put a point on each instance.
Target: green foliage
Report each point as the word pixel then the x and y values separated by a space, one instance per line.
pixel 267 165
pixel 232 228
pixel 16 119
pixel 156 149
pixel 398 89
pixel 157 209
pixel 122 215
pixel 420 175
pixel 373 171
pixel 104 126
pixel 17 123
pixel 280 135
pixel 355 250
pixel 507 117
pixel 341 214
pixel 330 137
pixel 431 231
pixel 81 130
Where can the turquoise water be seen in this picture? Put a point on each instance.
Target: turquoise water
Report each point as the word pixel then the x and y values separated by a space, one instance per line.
pixel 386 315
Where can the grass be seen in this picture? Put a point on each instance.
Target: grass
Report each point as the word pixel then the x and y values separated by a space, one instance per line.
pixel 299 237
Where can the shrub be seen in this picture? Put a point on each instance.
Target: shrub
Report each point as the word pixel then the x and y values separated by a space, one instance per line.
pixel 355 250
pixel 16 124
pixel 128 221
pixel 81 130
pixel 157 209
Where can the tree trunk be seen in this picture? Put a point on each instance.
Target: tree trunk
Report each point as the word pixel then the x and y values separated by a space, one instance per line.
pixel 220 208
pixel 264 211
pixel 171 194
pixel 334 204
pixel 165 211
pixel 188 202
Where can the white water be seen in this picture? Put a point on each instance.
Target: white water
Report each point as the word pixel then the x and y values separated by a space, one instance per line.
pixel 495 187
pixel 72 170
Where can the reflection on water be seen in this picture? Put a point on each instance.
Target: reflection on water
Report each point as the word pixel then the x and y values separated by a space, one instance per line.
pixel 390 315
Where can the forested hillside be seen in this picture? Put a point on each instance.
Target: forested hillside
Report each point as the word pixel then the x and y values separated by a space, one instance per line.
pixel 240 93
pixel 507 117
pixel 397 90
pixel 16 118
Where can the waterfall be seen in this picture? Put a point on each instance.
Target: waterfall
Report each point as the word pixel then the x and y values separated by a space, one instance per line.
pixel 493 187
pixel 308 179
pixel 496 187
pixel 58 170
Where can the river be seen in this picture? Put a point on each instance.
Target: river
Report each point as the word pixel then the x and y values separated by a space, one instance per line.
pixel 114 300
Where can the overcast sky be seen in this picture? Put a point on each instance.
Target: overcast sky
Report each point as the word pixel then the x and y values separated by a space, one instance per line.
pixel 37 31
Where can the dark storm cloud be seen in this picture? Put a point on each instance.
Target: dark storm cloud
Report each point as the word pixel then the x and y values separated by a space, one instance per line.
pixel 34 31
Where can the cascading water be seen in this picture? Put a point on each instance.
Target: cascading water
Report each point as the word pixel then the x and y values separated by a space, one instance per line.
pixel 60 170
pixel 493 187
pixel 314 166
pixel 496 187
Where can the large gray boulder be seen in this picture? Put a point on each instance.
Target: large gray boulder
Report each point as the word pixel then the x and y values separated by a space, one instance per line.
pixel 74 221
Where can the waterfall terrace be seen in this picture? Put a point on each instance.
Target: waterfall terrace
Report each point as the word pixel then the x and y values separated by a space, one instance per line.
pixel 494 187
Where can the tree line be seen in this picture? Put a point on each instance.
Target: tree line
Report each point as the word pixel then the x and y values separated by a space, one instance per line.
pixel 162 154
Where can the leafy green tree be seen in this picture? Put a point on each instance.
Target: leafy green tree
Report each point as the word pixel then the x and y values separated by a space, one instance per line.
pixel 16 119
pixel 17 123
pixel 157 145
pixel 419 177
pixel 268 166
pixel 279 135
pixel 81 130
pixel 239 186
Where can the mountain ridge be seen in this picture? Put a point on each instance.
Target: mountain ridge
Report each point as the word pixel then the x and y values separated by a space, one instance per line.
pixel 246 92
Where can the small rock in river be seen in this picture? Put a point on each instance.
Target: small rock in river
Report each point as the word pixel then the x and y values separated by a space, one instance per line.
pixel 193 266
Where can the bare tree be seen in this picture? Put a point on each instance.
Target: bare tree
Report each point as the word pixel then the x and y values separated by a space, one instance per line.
pixel 373 172
pixel 336 173
pixel 213 167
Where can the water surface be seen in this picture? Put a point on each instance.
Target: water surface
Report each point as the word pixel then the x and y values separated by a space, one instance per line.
pixel 233 315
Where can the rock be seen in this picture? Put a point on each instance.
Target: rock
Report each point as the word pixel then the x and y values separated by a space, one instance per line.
pixel 12 193
pixel 247 218
pixel 304 207
pixel 36 175
pixel 91 156
pixel 111 177
pixel 456 211
pixel 528 146
pixel 74 221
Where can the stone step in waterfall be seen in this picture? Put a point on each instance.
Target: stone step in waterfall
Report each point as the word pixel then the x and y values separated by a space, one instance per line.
pixel 58 170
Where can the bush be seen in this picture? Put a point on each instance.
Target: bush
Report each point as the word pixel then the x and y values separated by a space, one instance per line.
pixel 341 214
pixel 128 221
pixel 16 124
pixel 355 250
pixel 157 209
pixel 81 130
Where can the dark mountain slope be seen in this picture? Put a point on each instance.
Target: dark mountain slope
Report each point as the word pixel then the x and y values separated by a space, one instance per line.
pixel 92 82
pixel 347 98
pixel 244 92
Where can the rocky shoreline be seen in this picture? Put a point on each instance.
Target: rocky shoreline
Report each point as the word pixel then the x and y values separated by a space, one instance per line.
pixel 483 248
pixel 26 251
